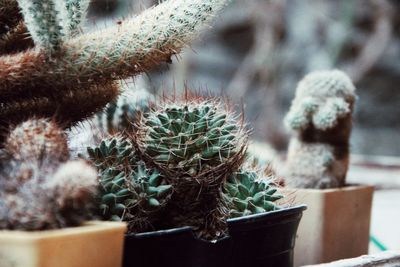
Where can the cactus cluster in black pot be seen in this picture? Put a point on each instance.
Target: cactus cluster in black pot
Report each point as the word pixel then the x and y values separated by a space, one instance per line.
pixel 183 164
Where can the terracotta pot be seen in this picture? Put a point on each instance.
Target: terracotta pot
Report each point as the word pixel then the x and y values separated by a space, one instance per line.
pixel 336 224
pixel 96 244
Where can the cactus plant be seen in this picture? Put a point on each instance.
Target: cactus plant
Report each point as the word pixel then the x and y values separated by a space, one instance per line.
pixel 321 120
pixel 196 143
pixel 247 194
pixel 39 187
pixel 67 68
pixel 130 191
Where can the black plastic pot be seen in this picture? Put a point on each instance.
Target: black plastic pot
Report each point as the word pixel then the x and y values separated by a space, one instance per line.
pixel 257 240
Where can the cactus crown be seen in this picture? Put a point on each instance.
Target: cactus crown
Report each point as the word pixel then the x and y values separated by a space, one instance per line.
pixel 192 138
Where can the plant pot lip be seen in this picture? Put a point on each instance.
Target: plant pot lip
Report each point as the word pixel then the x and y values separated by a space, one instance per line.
pixel 86 228
pixel 347 187
pixel 253 217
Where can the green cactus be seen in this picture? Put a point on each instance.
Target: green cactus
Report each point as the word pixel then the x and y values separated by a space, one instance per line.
pixel 195 143
pixel 133 195
pixel 113 151
pixel 192 139
pixel 130 191
pixel 67 68
pixel 246 194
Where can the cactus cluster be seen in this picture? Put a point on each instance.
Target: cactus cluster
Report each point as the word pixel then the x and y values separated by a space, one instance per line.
pixel 40 188
pixel 58 67
pixel 321 120
pixel 181 166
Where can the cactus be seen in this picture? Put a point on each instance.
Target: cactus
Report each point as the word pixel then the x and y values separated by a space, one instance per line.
pixel 122 115
pixel 246 194
pixel 196 138
pixel 39 187
pixel 130 191
pixel 67 68
pixel 321 120
pixel 195 143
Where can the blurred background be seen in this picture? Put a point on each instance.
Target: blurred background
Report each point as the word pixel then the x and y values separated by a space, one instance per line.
pixel 258 50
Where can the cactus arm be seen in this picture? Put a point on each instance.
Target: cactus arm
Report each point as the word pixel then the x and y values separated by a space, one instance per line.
pixel 299 115
pixel 138 45
pixel 328 115
pixel 77 10
pixel 43 20
pixel 70 108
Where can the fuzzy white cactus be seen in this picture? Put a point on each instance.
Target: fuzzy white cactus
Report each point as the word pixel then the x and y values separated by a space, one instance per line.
pixel 42 18
pixel 320 119
pixel 72 66
pixel 322 98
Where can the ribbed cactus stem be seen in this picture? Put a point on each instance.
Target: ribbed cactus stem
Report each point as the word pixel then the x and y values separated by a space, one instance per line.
pixel 119 51
pixel 43 19
pixel 76 14
pixel 68 107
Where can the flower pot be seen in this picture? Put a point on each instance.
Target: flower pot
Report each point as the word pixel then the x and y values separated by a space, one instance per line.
pixel 257 240
pixel 335 225
pixel 93 244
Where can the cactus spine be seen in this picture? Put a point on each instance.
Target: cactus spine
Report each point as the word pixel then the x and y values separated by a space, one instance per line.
pixel 321 119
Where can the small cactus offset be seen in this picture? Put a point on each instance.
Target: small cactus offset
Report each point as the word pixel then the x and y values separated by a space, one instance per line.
pixel 39 187
pixel 321 120
pixel 67 68
pixel 129 190
pixel 247 194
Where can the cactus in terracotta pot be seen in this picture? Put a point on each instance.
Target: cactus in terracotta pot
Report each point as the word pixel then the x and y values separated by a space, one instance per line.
pixel 321 121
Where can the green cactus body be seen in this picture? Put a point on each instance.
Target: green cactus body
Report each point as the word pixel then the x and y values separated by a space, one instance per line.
pixel 195 143
pixel 246 194
pixel 130 191
pixel 193 139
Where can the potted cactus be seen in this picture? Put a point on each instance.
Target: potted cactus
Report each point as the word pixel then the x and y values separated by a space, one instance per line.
pixel 320 119
pixel 181 181
pixel 46 200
